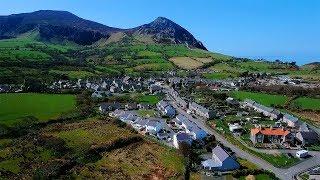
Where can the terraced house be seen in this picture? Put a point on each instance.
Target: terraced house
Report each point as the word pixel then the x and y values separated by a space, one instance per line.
pixel 201 111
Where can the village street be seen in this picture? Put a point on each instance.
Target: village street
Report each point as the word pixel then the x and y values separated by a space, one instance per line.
pixel 282 173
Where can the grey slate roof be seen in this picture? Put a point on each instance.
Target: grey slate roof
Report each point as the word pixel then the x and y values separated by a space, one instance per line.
pixel 220 153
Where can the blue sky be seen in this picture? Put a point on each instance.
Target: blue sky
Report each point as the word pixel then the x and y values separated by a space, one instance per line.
pixel 271 29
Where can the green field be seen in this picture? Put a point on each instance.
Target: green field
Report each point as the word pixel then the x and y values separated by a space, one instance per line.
pixel 149 99
pixel 16 107
pixel 265 99
pixel 307 103
pixel 219 75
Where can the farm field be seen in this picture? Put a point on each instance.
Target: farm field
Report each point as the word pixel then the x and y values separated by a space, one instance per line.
pixel 307 103
pixel 218 75
pixel 17 106
pixel 265 99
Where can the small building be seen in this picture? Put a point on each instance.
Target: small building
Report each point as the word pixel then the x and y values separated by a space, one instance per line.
pixel 235 128
pixel 302 153
pixel 181 138
pixel 220 161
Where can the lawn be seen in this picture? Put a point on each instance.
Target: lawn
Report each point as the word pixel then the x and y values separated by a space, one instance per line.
pixel 307 103
pixel 148 99
pixel 265 99
pixel 14 107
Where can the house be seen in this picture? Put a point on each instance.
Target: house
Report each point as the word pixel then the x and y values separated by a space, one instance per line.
pixel 220 161
pixel 166 109
pixel 153 126
pixel 140 124
pixel 290 120
pixel 307 138
pixel 154 88
pixel 105 107
pixel 201 111
pixel 190 127
pixel 181 138
pixel 131 106
pixel 270 135
pixel 266 111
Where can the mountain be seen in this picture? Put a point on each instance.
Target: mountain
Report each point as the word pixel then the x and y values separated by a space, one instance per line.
pixel 59 25
pixel 63 25
pixel 164 30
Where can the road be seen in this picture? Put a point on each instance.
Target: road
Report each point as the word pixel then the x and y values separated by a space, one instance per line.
pixel 281 173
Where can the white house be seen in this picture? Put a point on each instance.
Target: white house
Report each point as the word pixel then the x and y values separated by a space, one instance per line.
pixel 220 161
pixel 190 127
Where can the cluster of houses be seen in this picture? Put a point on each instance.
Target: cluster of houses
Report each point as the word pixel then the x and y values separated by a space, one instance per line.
pixel 294 133
pixel 106 86
pixel 178 129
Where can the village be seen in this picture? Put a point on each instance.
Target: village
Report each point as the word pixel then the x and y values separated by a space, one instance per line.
pixel 180 117
pixel 177 119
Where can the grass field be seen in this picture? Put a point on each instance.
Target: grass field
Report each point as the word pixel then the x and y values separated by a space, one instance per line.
pixel 307 103
pixel 265 99
pixel 148 99
pixel 16 107
pixel 219 75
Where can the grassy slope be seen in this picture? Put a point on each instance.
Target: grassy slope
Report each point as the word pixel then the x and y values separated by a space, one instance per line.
pixel 15 107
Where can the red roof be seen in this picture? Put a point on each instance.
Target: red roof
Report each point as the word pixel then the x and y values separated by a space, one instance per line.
pixel 270 131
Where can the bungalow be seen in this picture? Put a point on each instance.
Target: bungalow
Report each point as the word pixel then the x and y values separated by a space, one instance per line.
pixel 181 138
pixel 201 111
pixel 270 135
pixel 190 127
pixel 220 161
